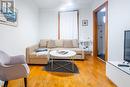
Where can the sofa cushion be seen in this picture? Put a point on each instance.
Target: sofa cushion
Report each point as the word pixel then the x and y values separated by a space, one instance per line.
pixel 45 53
pixel 51 44
pixel 59 43
pixel 43 43
pixel 77 50
pixel 67 44
pixel 75 43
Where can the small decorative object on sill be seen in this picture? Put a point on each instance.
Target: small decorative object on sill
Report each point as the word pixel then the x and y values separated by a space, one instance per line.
pixel 86 44
pixel 83 44
pixel 84 22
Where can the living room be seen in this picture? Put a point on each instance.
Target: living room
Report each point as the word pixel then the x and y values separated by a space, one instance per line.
pixel 38 20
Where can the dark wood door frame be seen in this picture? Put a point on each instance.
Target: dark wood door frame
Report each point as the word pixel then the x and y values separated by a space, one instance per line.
pixel 95 31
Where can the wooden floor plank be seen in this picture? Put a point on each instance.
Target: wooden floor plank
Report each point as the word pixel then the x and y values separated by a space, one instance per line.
pixel 91 74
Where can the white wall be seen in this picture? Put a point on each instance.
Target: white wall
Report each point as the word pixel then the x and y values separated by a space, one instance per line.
pixel 97 3
pixel 49 24
pixel 119 21
pixel 85 32
pixel 14 40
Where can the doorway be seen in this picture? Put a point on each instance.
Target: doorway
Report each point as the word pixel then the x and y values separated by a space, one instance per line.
pixel 100 32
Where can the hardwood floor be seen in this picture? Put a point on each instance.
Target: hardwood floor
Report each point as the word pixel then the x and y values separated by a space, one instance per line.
pixel 92 74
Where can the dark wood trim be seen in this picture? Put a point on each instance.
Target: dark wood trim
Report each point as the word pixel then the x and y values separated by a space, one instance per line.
pixel 58 25
pixel 95 31
pixel 95 35
pixel 100 7
pixel 6 84
pixel 25 82
pixel 78 23
pixel 59 22
pixel 106 33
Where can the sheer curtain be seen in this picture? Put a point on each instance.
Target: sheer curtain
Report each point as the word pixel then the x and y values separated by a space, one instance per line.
pixel 69 25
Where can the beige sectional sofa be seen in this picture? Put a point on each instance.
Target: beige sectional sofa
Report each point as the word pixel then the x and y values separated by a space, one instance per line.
pixel 43 58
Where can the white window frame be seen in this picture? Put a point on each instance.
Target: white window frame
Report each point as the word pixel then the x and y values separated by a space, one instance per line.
pixel 60 36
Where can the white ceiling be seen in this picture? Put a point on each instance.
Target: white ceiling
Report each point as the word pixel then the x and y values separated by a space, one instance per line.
pixel 54 4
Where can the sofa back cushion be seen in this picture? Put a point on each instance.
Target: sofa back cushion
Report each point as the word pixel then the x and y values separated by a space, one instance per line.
pixel 59 43
pixel 75 43
pixel 67 44
pixel 51 44
pixel 43 43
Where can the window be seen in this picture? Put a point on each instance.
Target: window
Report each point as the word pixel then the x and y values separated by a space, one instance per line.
pixel 104 19
pixel 68 25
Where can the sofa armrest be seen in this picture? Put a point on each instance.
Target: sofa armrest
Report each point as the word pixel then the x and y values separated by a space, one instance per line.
pixel 29 50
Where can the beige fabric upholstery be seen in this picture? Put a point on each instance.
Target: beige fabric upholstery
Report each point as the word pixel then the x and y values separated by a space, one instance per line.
pixel 77 50
pixel 39 58
pixel 67 43
pixel 59 43
pixel 75 43
pixel 34 58
pixel 51 44
pixel 30 50
pixel 43 43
